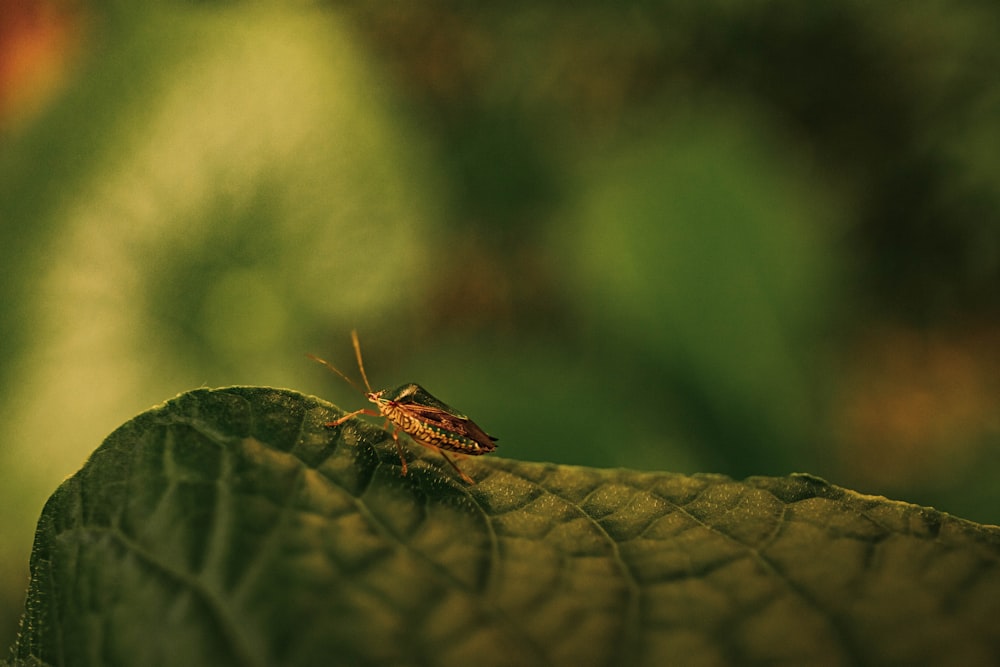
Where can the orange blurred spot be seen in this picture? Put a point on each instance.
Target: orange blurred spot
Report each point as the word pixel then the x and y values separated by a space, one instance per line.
pixel 37 39
pixel 918 405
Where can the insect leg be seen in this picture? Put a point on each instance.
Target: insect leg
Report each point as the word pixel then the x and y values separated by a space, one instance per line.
pixel 362 411
pixel 399 446
pixel 468 480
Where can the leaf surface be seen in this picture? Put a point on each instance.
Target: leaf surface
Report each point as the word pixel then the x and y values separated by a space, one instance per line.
pixel 231 527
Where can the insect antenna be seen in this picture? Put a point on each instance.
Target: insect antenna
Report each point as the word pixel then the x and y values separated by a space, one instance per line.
pixel 337 371
pixel 357 353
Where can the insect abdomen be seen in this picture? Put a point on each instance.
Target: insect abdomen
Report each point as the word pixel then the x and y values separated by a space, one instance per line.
pixel 435 436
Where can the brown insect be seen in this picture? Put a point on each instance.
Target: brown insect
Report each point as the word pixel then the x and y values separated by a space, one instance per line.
pixel 413 410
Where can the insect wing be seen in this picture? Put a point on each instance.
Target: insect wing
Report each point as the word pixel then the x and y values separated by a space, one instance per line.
pixel 449 422
pixel 423 405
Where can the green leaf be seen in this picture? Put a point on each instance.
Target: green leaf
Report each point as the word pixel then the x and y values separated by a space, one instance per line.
pixel 231 527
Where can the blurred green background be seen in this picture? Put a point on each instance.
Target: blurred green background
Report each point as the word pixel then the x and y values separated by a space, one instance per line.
pixel 746 238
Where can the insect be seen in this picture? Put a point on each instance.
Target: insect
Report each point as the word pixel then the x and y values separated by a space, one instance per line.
pixel 414 411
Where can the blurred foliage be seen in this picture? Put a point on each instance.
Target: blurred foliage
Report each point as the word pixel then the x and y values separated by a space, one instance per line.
pixel 729 237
